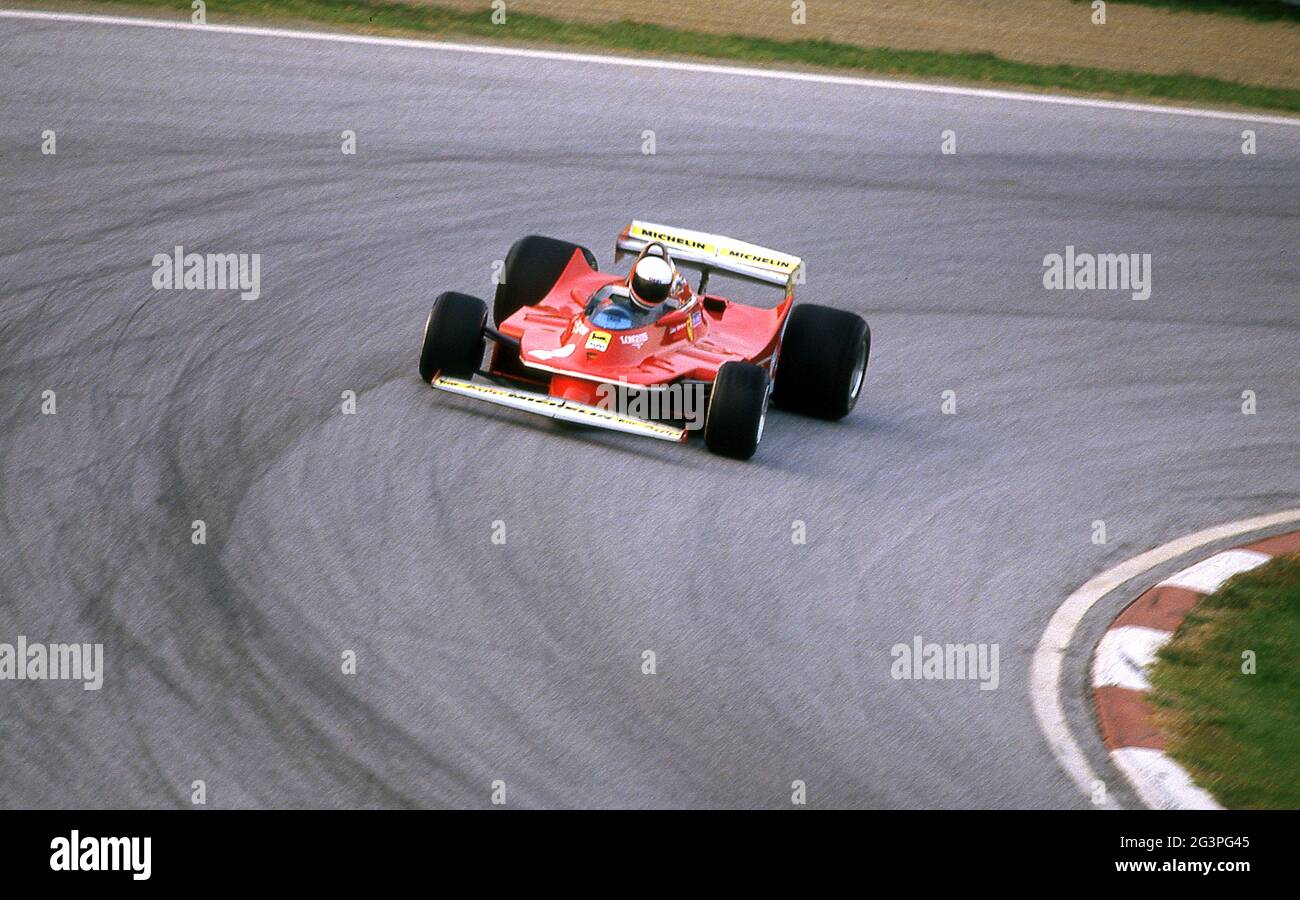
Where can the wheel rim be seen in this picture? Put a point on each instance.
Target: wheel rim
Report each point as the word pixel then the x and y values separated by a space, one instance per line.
pixel 859 371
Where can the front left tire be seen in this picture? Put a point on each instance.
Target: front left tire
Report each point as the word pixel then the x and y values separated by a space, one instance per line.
pixel 733 424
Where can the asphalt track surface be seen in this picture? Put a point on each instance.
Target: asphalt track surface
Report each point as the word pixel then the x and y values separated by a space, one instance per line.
pixel 372 532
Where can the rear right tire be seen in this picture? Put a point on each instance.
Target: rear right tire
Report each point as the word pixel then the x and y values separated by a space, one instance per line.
pixel 533 265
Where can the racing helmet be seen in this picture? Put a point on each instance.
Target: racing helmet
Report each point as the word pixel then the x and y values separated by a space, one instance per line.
pixel 652 279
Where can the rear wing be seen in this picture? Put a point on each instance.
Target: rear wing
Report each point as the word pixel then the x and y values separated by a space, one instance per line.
pixel 709 252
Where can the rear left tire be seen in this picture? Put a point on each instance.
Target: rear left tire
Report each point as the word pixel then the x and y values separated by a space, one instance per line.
pixel 823 361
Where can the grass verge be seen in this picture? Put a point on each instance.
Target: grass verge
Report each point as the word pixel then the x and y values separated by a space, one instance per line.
pixel 1238 734
pixel 657 40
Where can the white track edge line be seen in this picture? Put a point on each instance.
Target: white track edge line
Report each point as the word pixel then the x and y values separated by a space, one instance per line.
pixel 1045 667
pixel 1160 781
pixel 599 59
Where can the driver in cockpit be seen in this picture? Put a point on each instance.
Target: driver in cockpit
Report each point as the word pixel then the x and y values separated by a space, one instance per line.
pixel 650 282
pixel 638 302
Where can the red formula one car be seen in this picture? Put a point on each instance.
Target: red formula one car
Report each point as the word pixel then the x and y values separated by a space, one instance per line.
pixel 646 352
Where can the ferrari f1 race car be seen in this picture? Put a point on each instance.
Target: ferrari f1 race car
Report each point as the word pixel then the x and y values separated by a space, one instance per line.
pixel 647 352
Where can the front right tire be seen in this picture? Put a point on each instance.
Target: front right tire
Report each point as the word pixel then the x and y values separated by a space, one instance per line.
pixel 453 336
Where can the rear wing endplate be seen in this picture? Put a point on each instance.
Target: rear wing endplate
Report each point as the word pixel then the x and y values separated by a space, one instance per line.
pixel 713 252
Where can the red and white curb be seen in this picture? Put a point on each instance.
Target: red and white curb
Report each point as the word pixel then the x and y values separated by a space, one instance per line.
pixel 1048 666
pixel 1127 650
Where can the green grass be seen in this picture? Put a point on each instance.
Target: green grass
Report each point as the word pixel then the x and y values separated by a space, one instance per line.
pixel 1259 10
pixel 981 68
pixel 1238 734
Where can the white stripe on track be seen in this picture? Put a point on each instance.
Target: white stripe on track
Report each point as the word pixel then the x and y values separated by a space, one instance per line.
pixel 666 64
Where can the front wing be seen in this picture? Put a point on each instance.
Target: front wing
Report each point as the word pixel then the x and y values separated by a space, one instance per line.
pixel 556 408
